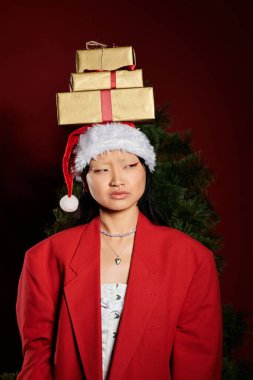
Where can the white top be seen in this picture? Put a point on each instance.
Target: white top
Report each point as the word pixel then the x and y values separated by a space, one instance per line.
pixel 112 301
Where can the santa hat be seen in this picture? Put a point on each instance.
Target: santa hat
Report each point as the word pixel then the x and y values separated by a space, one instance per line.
pixel 91 140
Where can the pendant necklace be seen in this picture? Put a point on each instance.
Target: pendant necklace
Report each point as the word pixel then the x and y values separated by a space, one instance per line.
pixel 120 235
pixel 118 259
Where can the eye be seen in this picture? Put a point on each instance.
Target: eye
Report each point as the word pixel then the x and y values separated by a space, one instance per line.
pixel 131 165
pixel 99 170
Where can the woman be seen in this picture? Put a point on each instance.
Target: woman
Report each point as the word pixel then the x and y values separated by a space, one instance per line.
pixel 120 297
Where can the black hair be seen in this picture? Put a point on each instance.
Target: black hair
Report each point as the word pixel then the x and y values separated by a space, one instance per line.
pixel 89 208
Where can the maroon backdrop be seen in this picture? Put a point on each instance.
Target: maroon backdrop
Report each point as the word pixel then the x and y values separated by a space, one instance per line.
pixel 197 57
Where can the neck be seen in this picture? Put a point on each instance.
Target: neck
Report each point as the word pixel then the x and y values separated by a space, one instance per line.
pixel 118 221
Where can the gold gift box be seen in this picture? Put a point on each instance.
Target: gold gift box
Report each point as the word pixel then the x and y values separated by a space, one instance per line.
pixel 102 80
pixel 132 104
pixel 104 59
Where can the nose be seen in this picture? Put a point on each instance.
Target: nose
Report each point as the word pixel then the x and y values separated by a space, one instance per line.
pixel 116 178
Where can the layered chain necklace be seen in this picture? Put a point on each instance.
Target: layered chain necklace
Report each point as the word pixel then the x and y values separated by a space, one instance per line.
pixel 118 259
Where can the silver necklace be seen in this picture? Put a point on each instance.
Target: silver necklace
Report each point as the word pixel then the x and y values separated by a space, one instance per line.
pixel 118 235
pixel 118 259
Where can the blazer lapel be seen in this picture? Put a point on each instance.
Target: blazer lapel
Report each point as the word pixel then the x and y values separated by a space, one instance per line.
pixel 140 298
pixel 83 300
pixel 83 295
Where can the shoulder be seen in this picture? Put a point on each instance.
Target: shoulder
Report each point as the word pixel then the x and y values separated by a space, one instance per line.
pixel 184 247
pixel 59 247
pixel 176 236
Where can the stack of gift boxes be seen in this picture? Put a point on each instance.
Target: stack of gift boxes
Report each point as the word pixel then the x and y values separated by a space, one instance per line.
pixel 106 87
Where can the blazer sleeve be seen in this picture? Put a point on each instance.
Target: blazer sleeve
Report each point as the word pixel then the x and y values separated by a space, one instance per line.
pixel 36 313
pixel 197 349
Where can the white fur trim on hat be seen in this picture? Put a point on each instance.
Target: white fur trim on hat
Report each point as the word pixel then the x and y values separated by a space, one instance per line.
pixel 113 136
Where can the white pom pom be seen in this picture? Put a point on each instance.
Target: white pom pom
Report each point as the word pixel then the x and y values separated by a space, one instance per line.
pixel 69 204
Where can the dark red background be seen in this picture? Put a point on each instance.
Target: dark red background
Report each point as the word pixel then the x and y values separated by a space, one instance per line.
pixel 196 55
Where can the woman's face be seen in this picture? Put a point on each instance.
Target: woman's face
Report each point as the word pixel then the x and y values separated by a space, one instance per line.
pixel 116 172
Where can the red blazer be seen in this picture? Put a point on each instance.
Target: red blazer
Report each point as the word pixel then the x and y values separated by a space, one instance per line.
pixel 171 324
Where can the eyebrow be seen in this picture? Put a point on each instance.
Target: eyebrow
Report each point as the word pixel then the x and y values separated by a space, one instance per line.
pixel 106 162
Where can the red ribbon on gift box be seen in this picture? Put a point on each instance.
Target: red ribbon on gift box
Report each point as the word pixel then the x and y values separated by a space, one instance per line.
pixel 113 79
pixel 106 100
pixel 106 105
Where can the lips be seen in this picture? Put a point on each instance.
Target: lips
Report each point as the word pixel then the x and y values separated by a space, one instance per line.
pixel 119 193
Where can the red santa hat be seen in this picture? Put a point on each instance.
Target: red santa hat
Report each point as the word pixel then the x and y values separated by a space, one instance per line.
pixel 91 140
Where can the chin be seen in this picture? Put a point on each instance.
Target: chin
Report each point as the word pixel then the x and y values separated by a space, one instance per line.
pixel 117 207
